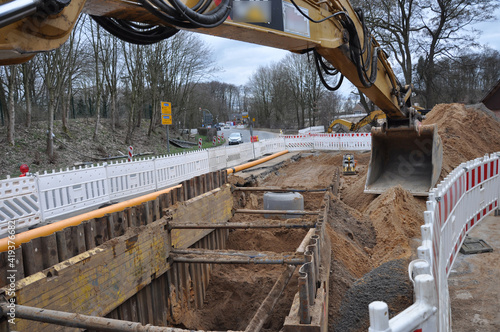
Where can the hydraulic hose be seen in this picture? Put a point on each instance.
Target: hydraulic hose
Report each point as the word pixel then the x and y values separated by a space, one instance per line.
pixel 212 19
pixel 134 33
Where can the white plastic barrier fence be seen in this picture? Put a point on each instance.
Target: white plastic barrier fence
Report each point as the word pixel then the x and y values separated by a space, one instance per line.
pixel 352 142
pixel 468 194
pixel 299 142
pixel 19 203
pixel 316 130
pixel 337 142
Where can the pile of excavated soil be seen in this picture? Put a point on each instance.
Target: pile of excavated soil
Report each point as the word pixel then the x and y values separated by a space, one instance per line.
pixel 466 132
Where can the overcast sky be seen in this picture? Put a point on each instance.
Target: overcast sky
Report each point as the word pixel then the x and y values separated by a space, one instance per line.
pixel 239 60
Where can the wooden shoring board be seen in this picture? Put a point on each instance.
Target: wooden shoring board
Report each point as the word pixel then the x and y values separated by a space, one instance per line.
pixel 99 280
pixel 212 207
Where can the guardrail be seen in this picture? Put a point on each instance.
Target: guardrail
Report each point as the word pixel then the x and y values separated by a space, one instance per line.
pixel 468 194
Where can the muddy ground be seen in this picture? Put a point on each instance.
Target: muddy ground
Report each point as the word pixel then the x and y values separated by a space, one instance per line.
pixel 373 236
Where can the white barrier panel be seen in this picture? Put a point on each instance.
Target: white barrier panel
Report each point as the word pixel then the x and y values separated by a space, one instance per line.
pixel 299 142
pixel 337 142
pixel 19 202
pixel 127 178
pixel 72 190
pixel 217 158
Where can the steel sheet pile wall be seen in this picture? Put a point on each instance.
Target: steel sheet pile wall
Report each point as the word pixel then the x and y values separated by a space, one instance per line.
pixel 43 252
pixel 116 265
pixel 309 310
pixel 468 194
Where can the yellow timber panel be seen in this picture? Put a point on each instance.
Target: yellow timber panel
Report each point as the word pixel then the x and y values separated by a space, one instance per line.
pixel 99 280
pixel 212 207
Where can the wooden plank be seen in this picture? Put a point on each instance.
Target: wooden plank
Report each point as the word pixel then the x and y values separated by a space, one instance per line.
pixel 214 206
pixel 49 251
pixel 89 227
pixel 102 234
pixel 78 239
pixel 107 275
pixel 32 256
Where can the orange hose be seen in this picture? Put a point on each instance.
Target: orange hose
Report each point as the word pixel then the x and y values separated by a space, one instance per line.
pixel 76 220
pixel 256 162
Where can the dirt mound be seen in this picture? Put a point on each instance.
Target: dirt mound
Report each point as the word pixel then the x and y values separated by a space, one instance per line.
pixel 396 216
pixel 388 282
pixel 466 132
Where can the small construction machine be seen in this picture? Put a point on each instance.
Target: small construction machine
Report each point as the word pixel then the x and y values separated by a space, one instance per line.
pixel 348 164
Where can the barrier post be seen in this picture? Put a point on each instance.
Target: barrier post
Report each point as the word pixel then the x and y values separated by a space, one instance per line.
pixel 379 317
pixel 213 141
pixel 199 143
pixel 130 153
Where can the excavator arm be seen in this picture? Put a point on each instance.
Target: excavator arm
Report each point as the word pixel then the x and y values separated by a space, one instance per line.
pixel 332 29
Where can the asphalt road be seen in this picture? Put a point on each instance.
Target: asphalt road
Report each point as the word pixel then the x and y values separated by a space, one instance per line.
pixel 245 133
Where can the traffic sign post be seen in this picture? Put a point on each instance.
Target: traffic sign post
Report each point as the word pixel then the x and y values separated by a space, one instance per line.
pixel 166 119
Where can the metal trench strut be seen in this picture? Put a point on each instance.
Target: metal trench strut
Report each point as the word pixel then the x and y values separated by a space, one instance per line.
pixel 85 322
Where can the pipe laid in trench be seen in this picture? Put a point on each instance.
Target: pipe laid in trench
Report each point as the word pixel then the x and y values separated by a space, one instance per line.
pixel 256 162
pixel 76 220
pixel 81 321
pixel 243 225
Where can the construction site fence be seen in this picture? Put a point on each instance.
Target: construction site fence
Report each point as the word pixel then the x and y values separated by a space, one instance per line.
pixel 463 199
pixel 31 200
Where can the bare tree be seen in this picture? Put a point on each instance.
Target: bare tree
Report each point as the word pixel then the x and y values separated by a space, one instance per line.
pixel 134 62
pixel 445 31
pixel 395 23
pixel 11 77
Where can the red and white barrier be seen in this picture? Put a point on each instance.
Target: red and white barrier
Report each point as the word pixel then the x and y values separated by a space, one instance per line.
pixel 199 143
pixel 130 153
pixel 214 141
pixel 468 194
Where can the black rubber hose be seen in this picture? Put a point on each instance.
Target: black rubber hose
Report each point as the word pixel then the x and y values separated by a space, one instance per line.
pixel 167 14
pixel 134 33
pixel 209 20
pixel 317 60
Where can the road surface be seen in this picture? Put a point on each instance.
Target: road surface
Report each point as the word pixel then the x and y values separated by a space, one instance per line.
pixel 245 133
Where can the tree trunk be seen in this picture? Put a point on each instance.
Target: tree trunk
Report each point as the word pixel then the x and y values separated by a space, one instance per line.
pixel 11 106
pixel 50 127
pixel 27 94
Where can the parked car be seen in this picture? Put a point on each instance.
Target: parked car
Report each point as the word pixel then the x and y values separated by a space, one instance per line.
pixel 227 126
pixel 235 138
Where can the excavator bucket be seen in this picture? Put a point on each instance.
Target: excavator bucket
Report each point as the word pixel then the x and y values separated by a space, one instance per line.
pixel 406 157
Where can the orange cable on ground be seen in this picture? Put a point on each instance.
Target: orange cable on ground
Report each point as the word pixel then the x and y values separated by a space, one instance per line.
pixel 256 162
pixel 76 220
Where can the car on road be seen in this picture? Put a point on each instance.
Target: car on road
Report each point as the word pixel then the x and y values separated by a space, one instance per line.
pixel 235 138
pixel 227 126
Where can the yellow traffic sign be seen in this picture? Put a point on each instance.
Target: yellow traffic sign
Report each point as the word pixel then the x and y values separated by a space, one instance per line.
pixel 166 119
pixel 166 113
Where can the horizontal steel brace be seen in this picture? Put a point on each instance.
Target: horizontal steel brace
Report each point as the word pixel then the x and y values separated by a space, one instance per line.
pixel 278 189
pixel 235 257
pixel 244 225
pixel 82 321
